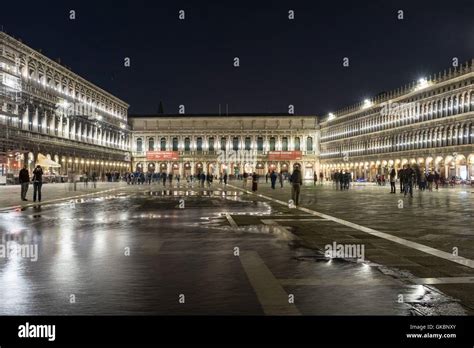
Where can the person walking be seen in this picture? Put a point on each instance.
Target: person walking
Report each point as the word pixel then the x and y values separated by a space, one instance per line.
pixel 225 178
pixel 24 177
pixel 315 178
pixel 321 178
pixel 280 179
pixel 296 182
pixel 393 175
pixel 37 183
pixel 273 179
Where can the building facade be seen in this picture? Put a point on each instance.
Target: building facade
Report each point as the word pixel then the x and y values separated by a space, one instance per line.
pixel 47 110
pixel 232 144
pixel 429 123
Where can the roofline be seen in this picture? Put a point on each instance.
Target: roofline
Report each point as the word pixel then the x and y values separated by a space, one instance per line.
pixel 218 115
pixel 63 69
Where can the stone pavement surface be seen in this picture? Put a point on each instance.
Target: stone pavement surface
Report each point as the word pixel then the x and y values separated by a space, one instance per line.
pixel 442 220
pixel 222 250
pixel 10 194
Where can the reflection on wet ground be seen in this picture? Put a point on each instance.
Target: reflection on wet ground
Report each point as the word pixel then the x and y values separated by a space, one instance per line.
pixel 148 253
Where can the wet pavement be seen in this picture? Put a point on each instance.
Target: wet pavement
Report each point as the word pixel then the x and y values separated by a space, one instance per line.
pixel 198 251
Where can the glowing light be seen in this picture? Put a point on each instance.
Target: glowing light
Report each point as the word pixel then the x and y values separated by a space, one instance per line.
pixel 367 104
pixel 422 83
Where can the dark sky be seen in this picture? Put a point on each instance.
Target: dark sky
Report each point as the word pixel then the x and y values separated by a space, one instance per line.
pixel 283 62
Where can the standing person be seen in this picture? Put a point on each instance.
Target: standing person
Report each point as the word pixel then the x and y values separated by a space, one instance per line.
pixel 24 177
pixel 170 179
pixel 315 178
pixel 148 176
pixel 266 178
pixel 210 177
pixel 393 175
pixel 321 178
pixel 225 178
pixel 436 179
pixel 401 177
pixel 280 178
pixel 347 180
pixel 203 178
pixel 163 178
pixel 296 182
pixel 254 182
pixel 430 179
pixel 37 183
pixel 408 175
pixel 336 179
pixel 422 181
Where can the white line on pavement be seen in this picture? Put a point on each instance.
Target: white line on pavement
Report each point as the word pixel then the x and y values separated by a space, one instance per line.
pixel 299 220
pixel 414 245
pixel 270 293
pixel 57 200
pixel 231 220
pixel 443 280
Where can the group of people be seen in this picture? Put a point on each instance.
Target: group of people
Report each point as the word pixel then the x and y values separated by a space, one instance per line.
pixel 295 179
pixel 141 178
pixel 410 177
pixel 315 178
pixel 342 179
pixel 37 180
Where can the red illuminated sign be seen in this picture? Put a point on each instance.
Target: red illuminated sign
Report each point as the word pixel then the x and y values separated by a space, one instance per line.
pixel 284 155
pixel 162 155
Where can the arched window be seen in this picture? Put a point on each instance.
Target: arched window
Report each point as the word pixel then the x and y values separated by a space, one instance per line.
pixel 272 144
pixel 175 144
pixel 309 144
pixel 199 144
pixel 284 144
pixel 139 145
pixel 151 144
pixel 297 144
pixel 187 144
pixel 259 144
pixel 163 144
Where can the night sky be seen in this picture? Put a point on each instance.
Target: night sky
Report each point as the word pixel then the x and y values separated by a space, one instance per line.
pixel 282 61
